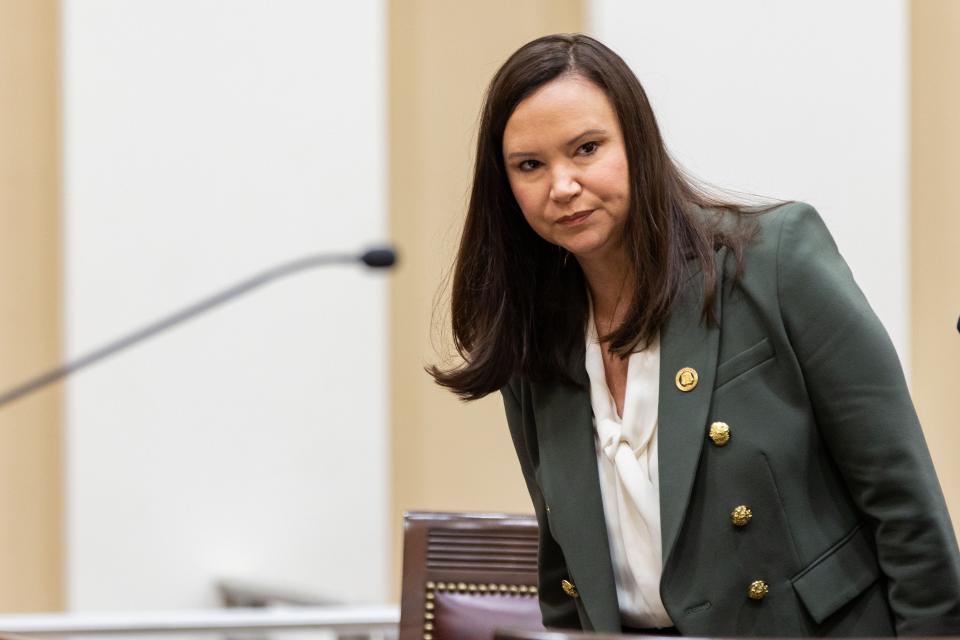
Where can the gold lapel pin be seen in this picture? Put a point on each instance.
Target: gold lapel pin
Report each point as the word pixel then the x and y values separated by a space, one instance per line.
pixel 687 379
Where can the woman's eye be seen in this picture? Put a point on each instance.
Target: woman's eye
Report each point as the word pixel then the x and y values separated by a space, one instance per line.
pixel 588 148
pixel 528 165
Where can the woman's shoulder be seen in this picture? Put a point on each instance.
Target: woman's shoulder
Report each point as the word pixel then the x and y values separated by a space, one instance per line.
pixel 791 229
pixel 765 216
pixel 784 213
pixel 770 241
pixel 768 224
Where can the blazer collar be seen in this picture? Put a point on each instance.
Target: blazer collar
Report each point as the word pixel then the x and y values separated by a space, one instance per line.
pixel 568 466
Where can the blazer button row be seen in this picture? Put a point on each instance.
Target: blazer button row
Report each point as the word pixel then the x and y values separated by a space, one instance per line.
pixel 720 436
pixel 740 517
pixel 757 591
pixel 741 514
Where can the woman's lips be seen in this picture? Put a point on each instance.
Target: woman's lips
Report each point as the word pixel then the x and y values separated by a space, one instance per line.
pixel 575 218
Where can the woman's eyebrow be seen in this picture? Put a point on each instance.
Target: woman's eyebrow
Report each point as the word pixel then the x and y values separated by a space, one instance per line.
pixel 588 132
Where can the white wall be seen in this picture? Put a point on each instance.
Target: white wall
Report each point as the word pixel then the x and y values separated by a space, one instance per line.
pixel 206 140
pixel 800 100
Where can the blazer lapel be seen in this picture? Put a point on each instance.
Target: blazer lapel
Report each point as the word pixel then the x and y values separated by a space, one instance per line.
pixel 685 341
pixel 570 481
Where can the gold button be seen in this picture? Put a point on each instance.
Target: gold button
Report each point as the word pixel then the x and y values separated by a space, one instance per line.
pixel 720 433
pixel 687 379
pixel 758 589
pixel 741 515
pixel 570 589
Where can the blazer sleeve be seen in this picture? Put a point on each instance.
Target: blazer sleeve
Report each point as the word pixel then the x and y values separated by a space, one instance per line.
pixel 558 609
pixel 866 417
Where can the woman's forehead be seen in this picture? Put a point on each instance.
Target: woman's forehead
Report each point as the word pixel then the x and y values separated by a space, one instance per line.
pixel 557 111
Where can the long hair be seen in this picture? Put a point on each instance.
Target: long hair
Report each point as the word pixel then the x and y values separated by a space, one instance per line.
pixel 518 303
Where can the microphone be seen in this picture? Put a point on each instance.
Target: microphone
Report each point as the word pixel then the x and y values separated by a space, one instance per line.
pixel 376 258
pixel 379 258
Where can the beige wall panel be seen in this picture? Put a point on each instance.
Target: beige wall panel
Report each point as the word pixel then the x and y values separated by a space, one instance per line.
pixel 446 455
pixel 31 503
pixel 935 232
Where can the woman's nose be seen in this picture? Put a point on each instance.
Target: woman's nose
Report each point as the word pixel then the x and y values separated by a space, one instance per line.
pixel 564 187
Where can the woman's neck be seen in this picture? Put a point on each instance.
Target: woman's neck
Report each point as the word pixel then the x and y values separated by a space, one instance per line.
pixel 611 283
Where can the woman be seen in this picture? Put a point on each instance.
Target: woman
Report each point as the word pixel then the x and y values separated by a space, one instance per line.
pixel 712 423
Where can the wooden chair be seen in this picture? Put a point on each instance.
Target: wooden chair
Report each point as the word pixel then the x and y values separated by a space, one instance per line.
pixel 466 575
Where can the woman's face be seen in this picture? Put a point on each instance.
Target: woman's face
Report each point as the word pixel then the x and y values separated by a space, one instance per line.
pixel 567 167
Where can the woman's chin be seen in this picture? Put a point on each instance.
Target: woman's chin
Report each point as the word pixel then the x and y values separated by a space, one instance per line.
pixel 584 244
pixel 590 249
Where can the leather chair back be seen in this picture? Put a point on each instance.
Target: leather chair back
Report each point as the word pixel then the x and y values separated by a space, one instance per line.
pixel 465 575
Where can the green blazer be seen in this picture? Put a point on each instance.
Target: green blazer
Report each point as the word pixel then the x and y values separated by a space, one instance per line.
pixel 849 532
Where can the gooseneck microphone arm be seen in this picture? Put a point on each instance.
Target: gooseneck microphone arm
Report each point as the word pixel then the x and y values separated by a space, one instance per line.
pixel 375 258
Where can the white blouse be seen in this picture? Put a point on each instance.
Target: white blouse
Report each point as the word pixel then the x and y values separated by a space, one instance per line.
pixel 629 479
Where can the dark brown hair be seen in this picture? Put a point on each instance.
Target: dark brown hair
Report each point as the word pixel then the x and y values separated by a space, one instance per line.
pixel 518 303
